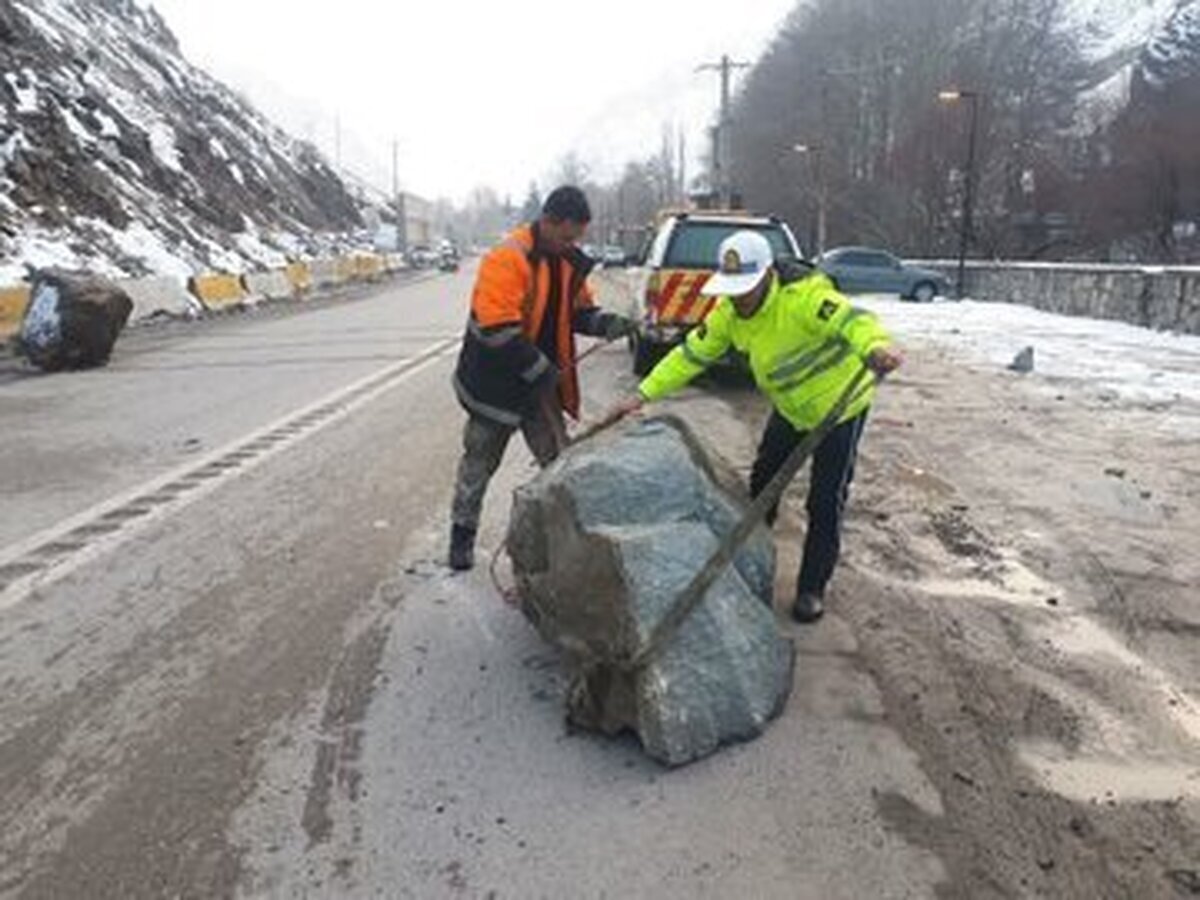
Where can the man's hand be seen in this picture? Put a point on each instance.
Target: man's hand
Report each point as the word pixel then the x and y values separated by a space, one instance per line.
pixel 884 360
pixel 616 326
pixel 629 406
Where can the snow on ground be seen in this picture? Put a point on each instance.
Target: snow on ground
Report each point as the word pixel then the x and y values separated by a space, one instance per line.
pixel 11 147
pixel 143 244
pixel 42 250
pixel 82 135
pixel 1113 358
pixel 24 89
pixel 163 144
pixel 252 247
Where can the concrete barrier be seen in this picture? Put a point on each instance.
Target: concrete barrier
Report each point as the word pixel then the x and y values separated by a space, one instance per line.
pixel 164 295
pixel 368 267
pixel 160 296
pixel 1151 296
pixel 13 301
pixel 274 285
pixel 301 277
pixel 218 290
pixel 326 273
pixel 346 268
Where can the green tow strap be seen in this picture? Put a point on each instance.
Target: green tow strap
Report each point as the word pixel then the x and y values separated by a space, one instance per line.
pixel 692 595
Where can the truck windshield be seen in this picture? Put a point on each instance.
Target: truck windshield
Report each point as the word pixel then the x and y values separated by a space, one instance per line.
pixel 694 245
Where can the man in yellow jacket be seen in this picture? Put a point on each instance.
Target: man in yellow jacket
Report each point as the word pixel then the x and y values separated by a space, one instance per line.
pixel 805 343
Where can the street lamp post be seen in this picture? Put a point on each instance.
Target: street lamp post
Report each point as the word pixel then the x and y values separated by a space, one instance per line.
pixel 814 151
pixel 968 205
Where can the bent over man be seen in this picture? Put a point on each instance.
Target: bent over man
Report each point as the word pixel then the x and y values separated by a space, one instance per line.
pixel 516 369
pixel 805 344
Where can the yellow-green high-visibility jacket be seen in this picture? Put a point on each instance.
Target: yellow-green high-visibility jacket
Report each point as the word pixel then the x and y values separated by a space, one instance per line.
pixel 805 343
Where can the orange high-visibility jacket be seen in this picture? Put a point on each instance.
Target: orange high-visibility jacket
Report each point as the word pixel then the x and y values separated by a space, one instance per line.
pixel 500 362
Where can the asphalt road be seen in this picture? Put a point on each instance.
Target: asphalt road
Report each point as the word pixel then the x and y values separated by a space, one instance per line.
pixel 240 669
pixel 232 663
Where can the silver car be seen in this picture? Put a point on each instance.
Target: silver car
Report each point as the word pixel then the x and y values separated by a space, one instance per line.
pixel 861 270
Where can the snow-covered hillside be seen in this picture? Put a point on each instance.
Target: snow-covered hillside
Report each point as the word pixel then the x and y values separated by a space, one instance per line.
pixel 1173 55
pixel 1117 30
pixel 119 156
pixel 1123 41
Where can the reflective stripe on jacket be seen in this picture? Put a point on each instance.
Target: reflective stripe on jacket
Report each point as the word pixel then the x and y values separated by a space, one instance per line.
pixel 500 363
pixel 805 343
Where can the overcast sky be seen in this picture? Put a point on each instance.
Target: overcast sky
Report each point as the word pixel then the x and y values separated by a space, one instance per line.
pixel 476 93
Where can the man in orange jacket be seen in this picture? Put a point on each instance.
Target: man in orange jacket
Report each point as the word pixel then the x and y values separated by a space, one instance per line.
pixel 517 364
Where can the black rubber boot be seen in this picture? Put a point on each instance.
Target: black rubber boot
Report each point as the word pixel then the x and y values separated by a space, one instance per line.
pixel 462 548
pixel 809 608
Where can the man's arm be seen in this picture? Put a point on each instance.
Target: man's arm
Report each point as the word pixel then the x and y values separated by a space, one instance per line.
pixel 832 316
pixel 591 321
pixel 704 345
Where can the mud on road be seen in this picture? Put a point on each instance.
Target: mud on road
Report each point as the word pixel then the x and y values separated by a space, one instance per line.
pixel 1020 580
pixel 283 692
pixel 1020 575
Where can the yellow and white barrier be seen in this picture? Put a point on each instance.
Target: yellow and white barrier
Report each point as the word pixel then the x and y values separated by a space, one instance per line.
pixel 160 296
pixel 346 268
pixel 219 290
pixel 301 277
pixel 274 285
pixel 368 267
pixel 13 301
pixel 326 273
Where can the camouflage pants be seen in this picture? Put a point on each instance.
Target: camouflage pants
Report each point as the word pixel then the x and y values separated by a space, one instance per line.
pixel 484 443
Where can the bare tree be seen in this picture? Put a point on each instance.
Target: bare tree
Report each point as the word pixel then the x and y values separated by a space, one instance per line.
pixel 856 82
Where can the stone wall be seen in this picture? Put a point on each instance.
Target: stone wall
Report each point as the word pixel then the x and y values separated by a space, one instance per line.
pixel 1153 297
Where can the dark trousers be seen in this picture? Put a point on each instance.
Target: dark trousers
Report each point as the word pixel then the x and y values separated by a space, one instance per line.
pixel 829 488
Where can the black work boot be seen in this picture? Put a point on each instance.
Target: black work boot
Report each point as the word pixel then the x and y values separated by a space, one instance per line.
pixel 462 548
pixel 809 608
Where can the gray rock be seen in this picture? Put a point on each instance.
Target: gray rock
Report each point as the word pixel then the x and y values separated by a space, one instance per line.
pixel 72 322
pixel 603 542
pixel 1023 361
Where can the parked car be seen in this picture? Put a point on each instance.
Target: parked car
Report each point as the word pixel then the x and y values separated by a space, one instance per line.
pixel 862 270
pixel 421 256
pixel 677 263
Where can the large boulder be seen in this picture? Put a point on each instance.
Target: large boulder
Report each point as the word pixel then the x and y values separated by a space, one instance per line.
pixel 72 321
pixel 603 542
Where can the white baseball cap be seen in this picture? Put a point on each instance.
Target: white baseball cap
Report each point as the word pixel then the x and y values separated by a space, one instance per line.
pixel 743 261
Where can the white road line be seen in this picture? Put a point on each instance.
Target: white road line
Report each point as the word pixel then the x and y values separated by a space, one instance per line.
pixel 61 548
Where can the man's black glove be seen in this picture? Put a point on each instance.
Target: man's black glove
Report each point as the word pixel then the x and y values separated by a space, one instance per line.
pixel 615 326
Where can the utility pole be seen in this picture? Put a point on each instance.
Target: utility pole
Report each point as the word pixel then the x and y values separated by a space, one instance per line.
pixel 966 227
pixel 717 178
pixel 816 153
pixel 682 166
pixel 722 181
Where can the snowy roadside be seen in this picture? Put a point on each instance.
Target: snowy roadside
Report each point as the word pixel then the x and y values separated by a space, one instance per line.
pixel 1112 360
